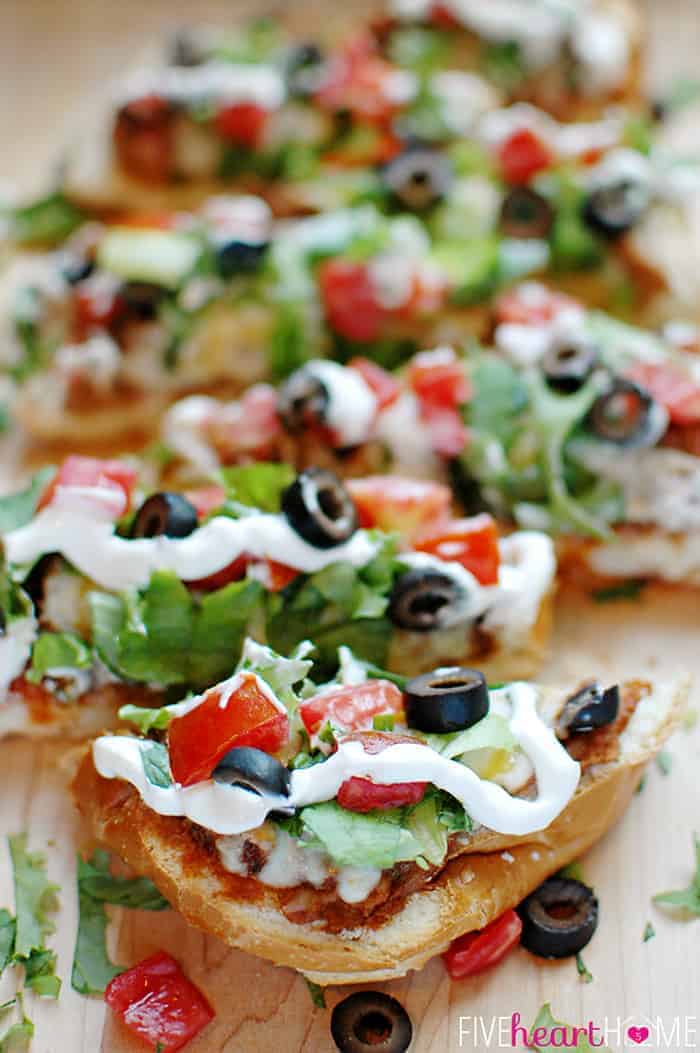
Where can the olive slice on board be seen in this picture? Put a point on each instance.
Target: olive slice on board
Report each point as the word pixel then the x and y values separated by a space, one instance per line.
pixel 568 365
pixel 559 918
pixel 164 514
pixel 302 401
pixel 446 700
pixel 424 599
pixel 371 1022
pixel 590 708
pixel 418 177
pixel 525 214
pixel 626 414
pixel 254 770
pixel 320 509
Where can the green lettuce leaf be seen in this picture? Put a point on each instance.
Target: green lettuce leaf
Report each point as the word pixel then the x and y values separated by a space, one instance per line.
pixel 18 1038
pixel 221 622
pixel 8 927
pixel 564 1035
pixel 146 719
pixel 156 763
pixel 492 732
pixel 17 509
pixel 35 897
pixel 45 221
pixel 423 821
pixel 57 651
pixel 281 674
pixel 685 900
pixel 40 973
pixel 376 838
pixel 92 969
pixel 257 485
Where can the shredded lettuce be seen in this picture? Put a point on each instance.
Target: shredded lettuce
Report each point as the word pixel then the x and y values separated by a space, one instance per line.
pixel 17 509
pixel 57 651
pixel 22 938
pixel 156 763
pixel 18 1037
pixel 44 222
pixel 146 719
pixel 377 838
pixel 92 969
pixel 257 486
pixel 685 900
pixel 492 732
pixel 547 1032
pixel 281 674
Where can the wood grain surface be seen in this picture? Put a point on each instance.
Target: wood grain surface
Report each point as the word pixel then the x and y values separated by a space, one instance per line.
pixel 51 54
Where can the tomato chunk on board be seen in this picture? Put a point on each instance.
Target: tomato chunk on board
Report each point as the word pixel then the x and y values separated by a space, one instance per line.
pixel 158 1003
pixel 362 795
pixel 225 718
pixel 473 542
pixel 476 951
pixel 349 300
pixel 392 503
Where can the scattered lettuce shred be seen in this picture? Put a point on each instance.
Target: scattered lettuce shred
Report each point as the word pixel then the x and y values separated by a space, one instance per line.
pixel 562 1034
pixel 92 968
pixel 685 901
pixel 57 652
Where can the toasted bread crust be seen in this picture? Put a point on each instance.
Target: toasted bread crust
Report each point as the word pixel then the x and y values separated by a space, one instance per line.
pixel 472 890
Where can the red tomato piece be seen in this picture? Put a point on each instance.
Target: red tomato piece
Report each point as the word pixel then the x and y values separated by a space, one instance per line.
pixel 352 707
pixel 472 542
pixel 243 717
pixel 363 795
pixel 357 81
pixel 234 571
pixel 158 1003
pixel 673 388
pixel 88 472
pixel 476 951
pixel 441 16
pixel 279 575
pixel 438 379
pixel 392 503
pixel 242 123
pixel 530 304
pixel 448 432
pixel 206 499
pixel 97 304
pixel 350 301
pixel 522 155
pixel 247 429
pixel 148 220
pixel 385 387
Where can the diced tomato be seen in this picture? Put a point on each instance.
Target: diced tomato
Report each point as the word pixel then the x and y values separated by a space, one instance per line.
pixel 206 499
pixel 279 575
pixel 385 387
pixel 247 429
pixel 441 16
pixel 158 1003
pixel 234 571
pixel 148 220
pixel 530 304
pixel 242 123
pixel 89 472
pixel 352 707
pixel 427 295
pixel 686 438
pixel 97 304
pixel 392 503
pixel 448 432
pixel 522 155
pixel 476 951
pixel 438 378
pixel 357 80
pixel 472 542
pixel 245 716
pixel 350 301
pixel 673 388
pixel 362 795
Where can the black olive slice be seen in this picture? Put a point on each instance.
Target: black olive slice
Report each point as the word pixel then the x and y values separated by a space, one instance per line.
pixel 559 918
pixel 568 365
pixel 320 509
pixel 168 514
pixel 75 266
pixel 590 708
pixel 302 401
pixel 613 210
pixel 234 256
pixel 418 177
pixel 254 770
pixel 304 69
pixel 446 700
pixel 424 599
pixel 371 1022
pixel 626 414
pixel 525 214
pixel 189 47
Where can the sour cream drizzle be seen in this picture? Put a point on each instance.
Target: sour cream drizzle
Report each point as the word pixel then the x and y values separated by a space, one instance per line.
pixel 75 529
pixel 232 810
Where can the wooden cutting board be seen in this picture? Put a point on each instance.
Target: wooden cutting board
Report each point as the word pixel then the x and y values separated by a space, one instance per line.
pixel 51 53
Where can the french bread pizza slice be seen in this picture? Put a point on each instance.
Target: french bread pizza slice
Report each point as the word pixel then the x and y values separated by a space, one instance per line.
pixel 352 830
pixel 111 588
